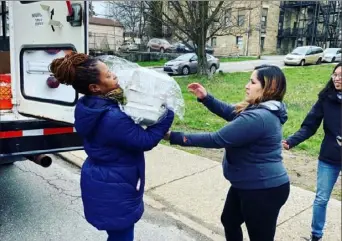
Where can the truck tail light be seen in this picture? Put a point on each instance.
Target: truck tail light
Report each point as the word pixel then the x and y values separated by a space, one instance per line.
pixel 5 92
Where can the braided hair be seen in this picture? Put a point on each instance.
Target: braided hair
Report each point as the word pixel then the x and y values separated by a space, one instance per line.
pixel 76 69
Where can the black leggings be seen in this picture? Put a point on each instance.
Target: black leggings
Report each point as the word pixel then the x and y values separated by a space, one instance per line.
pixel 259 209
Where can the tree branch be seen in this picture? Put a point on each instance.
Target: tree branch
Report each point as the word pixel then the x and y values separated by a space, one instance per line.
pixel 176 5
pixel 214 13
pixel 171 23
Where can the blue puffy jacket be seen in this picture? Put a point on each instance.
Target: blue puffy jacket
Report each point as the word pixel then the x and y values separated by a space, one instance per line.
pixel 113 175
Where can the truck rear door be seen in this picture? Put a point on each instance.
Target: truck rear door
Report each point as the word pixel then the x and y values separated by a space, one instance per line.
pixel 41 31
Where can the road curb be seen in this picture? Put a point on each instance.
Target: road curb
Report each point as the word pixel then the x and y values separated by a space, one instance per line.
pixel 70 158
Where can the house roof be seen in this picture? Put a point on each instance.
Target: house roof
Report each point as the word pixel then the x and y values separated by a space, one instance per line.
pixel 105 22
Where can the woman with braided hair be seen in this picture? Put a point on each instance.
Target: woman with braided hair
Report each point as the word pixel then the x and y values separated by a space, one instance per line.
pixel 113 175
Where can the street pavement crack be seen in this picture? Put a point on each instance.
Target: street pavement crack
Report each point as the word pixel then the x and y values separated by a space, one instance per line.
pixel 180 178
pixel 297 214
pixel 50 181
pixel 169 207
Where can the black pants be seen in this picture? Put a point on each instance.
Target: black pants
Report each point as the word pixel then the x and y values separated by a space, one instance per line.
pixel 259 209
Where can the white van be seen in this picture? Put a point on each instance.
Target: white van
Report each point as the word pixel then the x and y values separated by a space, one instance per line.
pixel 304 55
pixel 36 117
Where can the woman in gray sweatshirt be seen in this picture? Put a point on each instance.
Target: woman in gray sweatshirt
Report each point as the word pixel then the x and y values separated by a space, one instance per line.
pixel 253 153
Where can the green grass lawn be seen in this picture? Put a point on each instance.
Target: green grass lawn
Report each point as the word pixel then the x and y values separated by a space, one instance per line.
pixel 303 85
pixel 152 63
pixel 222 60
pixel 237 59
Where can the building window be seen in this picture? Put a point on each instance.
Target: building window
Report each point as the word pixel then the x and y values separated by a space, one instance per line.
pixel 264 20
pixel 239 42
pixel 213 42
pixel 169 5
pixel 241 17
pixel 228 18
pixel 262 43
pixel 278 43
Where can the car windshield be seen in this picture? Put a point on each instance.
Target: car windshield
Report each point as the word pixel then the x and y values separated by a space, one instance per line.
pixel 185 57
pixel 300 51
pixel 331 51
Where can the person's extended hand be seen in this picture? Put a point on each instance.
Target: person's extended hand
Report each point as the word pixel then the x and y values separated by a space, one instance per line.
pixel 286 145
pixel 167 136
pixel 198 90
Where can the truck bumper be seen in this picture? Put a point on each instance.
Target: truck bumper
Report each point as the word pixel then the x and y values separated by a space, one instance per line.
pixel 21 138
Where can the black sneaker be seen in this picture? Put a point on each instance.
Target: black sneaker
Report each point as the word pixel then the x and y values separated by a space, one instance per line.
pixel 313 238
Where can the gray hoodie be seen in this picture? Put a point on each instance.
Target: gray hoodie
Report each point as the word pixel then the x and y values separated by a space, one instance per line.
pixel 252 142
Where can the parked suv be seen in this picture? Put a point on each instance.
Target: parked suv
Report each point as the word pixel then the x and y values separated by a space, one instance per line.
pixel 304 55
pixel 160 45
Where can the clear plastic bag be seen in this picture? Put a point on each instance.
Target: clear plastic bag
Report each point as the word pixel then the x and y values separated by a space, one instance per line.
pixel 148 92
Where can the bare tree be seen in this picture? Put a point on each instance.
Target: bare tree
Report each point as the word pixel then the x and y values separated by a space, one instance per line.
pixel 130 14
pixel 154 20
pixel 91 9
pixel 199 21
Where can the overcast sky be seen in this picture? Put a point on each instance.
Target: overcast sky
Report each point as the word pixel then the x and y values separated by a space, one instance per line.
pixel 99 7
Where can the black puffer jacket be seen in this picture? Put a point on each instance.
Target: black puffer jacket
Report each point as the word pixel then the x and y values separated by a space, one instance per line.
pixel 328 109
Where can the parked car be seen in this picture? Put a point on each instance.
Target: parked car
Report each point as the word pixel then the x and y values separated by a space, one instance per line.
pixel 129 46
pixel 160 45
pixel 181 48
pixel 208 48
pixel 187 64
pixel 332 54
pixel 304 55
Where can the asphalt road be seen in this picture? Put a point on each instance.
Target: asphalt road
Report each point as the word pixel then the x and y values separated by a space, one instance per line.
pixel 247 65
pixel 43 204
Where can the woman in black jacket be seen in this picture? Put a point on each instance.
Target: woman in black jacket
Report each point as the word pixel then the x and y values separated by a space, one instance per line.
pixel 327 108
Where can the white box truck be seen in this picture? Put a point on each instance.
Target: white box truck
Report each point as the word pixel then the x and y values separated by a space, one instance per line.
pixel 36 114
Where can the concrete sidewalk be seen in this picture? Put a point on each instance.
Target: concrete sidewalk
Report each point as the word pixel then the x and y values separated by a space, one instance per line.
pixel 192 189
